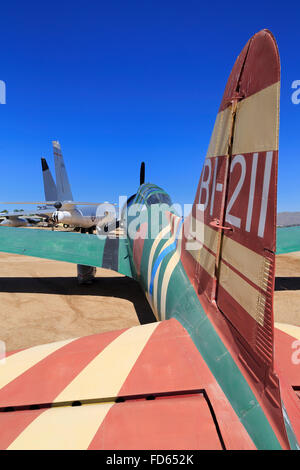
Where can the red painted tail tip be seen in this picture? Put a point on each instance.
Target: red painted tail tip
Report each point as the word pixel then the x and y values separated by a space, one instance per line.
pixel 256 67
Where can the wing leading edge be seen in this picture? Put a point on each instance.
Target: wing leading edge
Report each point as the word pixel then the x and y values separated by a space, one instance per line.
pixel 106 252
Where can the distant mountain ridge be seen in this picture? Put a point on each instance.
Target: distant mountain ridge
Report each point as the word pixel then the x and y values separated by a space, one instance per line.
pixel 286 219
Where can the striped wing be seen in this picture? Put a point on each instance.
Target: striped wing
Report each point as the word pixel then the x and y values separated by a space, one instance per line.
pixel 112 376
pixel 106 252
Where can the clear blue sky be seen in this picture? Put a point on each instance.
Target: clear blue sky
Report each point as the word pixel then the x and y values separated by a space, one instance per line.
pixel 121 81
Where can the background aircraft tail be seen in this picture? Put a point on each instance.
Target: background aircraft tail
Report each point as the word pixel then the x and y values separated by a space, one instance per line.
pixel 49 184
pixel 64 192
pixel 233 220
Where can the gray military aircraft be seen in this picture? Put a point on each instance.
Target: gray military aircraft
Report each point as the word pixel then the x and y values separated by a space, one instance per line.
pixel 59 206
pixel 68 212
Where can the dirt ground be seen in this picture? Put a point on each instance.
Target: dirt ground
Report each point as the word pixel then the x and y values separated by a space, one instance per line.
pixel 41 301
pixel 287 289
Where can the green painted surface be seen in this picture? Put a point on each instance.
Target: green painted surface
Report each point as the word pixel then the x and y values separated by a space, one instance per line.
pixel 290 432
pixel 61 246
pixel 288 240
pixel 124 260
pixel 184 305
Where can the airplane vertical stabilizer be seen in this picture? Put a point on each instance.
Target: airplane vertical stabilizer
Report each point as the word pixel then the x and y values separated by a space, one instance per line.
pixel 64 192
pixel 232 264
pixel 49 184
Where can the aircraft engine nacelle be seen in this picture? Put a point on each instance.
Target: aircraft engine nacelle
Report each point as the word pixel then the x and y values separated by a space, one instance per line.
pixel 78 219
pixel 73 218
